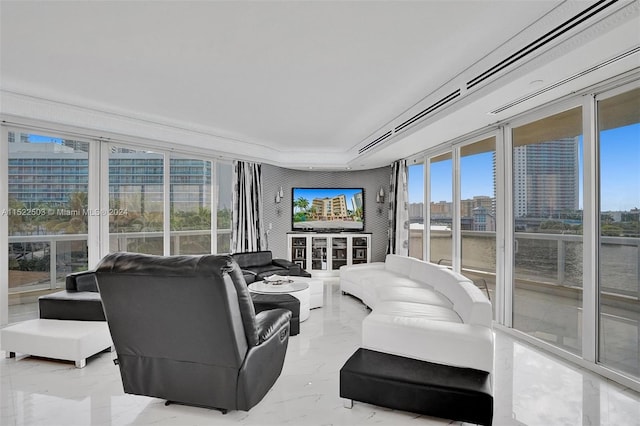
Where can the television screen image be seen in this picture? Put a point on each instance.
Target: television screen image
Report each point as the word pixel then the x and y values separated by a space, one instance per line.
pixel 328 209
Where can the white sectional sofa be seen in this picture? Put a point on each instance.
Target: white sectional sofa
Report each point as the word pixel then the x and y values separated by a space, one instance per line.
pixel 422 311
pixel 427 345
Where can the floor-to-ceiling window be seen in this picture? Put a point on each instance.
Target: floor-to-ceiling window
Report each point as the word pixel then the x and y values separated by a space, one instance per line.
pixel 415 185
pixel 619 242
pixel 478 213
pixel 64 192
pixel 547 224
pixel 441 209
pixel 190 205
pixel 136 200
pixel 48 178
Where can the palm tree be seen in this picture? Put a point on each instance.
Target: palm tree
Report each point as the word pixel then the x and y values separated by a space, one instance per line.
pixel 73 220
pixel 301 203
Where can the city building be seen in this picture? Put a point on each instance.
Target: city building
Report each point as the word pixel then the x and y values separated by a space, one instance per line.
pixel 357 201
pixel 152 110
pixel 416 212
pixel 330 208
pixel 546 178
pixel 49 173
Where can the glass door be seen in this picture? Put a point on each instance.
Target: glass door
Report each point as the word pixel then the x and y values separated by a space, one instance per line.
pixel 547 212
pixel 441 209
pixel 48 210
pixel 619 246
pixel 136 201
pixel 190 205
pixel 478 214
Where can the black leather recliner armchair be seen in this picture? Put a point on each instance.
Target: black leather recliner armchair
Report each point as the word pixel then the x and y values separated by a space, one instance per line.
pixel 185 330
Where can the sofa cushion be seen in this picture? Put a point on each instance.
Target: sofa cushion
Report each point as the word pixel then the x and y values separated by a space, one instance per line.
pixel 415 295
pixel 263 272
pixel 417 310
pixel 253 259
pixel 386 278
pixel 352 273
pixel 443 279
pixel 292 268
pixel 398 264
pixel 366 283
pixel 442 342
pixel 421 270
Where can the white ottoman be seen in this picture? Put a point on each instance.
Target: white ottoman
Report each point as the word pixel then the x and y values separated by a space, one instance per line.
pixel 58 339
pixel 316 290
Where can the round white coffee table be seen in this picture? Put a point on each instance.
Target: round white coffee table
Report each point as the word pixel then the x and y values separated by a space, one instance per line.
pixel 299 290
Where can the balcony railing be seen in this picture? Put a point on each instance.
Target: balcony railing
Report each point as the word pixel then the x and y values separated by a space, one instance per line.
pixel 554 259
pixel 549 259
pixel 41 262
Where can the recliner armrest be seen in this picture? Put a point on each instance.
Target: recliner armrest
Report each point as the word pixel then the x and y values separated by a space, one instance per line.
pixel 293 268
pixel 270 322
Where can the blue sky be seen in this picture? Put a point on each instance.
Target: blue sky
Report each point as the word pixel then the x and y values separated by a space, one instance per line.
pixel 620 173
pixel 620 168
pixel 43 139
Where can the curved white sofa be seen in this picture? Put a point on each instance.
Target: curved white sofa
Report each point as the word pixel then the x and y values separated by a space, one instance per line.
pixel 423 311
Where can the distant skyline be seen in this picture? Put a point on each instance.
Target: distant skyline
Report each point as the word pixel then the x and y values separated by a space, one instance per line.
pixel 620 174
pixel 619 170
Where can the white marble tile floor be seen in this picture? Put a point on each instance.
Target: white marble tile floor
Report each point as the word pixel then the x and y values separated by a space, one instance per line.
pixel 532 387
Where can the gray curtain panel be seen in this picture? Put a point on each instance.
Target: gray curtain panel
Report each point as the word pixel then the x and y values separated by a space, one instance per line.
pixel 247 216
pixel 398 241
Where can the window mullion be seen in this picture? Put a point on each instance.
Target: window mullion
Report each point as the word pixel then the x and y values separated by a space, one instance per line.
pixel 456 237
pixel 93 204
pixel 166 208
pixel 504 228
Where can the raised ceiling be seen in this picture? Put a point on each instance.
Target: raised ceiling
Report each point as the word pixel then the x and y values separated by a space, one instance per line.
pixel 296 84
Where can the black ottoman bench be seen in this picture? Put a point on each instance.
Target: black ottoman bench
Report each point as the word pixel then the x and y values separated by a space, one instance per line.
pixel 422 387
pixel 264 302
pixel 71 305
pixel 79 301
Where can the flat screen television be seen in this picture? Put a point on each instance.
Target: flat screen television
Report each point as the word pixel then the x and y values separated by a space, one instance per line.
pixel 327 209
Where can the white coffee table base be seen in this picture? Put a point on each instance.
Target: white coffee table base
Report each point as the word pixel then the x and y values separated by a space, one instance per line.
pixel 316 290
pixel 58 339
pixel 297 289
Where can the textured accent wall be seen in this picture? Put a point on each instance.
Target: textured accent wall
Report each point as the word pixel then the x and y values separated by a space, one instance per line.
pixel 279 215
